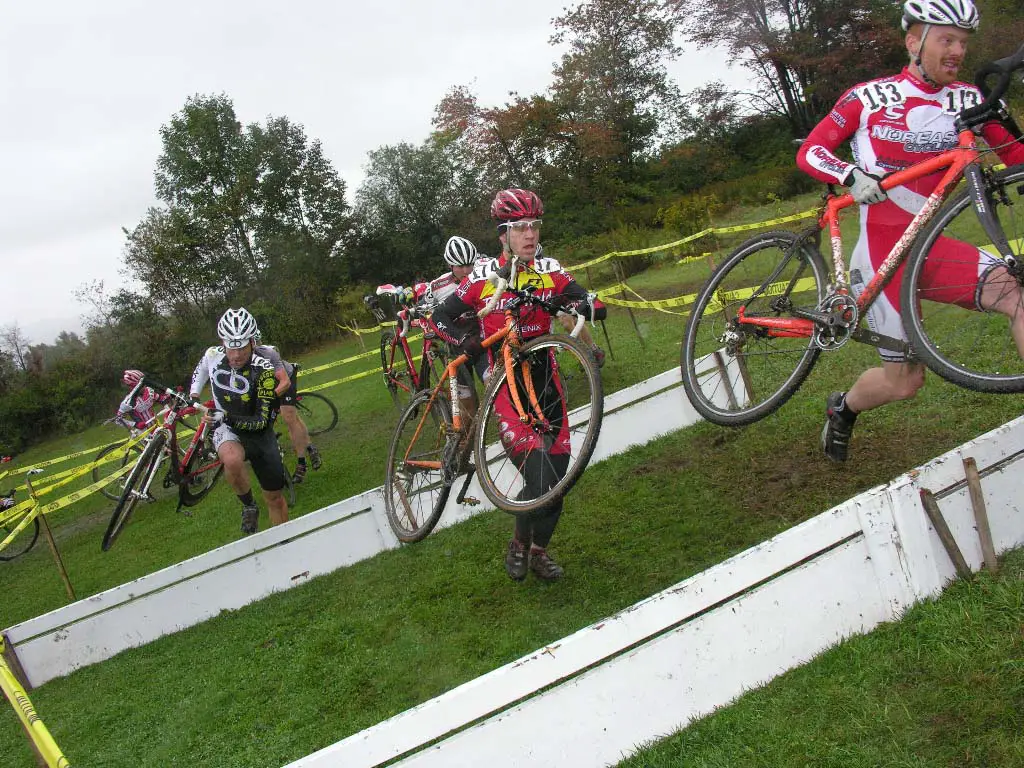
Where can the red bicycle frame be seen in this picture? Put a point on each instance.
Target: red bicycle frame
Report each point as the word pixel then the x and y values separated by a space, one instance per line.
pixel 955 161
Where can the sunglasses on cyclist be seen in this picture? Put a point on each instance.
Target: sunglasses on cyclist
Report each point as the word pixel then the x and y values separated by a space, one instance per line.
pixel 522 226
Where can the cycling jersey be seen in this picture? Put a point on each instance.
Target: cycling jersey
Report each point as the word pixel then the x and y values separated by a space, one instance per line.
pixel 139 413
pixel 544 274
pixel 893 123
pixel 270 352
pixel 246 396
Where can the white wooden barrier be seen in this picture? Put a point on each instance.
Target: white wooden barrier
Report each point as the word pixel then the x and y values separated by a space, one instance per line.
pixel 592 697
pixel 178 597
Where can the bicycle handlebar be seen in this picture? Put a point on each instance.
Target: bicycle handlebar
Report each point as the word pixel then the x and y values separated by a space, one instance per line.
pixel 1004 68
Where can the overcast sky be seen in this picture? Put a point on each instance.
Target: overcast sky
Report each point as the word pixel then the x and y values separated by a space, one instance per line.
pixel 86 87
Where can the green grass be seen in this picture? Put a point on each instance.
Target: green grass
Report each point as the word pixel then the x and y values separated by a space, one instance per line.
pixel 942 687
pixel 302 669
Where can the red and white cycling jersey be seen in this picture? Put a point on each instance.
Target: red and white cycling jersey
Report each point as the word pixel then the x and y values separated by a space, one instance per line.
pixel 891 124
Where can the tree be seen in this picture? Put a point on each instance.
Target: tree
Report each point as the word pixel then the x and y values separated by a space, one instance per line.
pixel 16 344
pixel 411 199
pixel 245 210
pixel 802 53
pixel 612 86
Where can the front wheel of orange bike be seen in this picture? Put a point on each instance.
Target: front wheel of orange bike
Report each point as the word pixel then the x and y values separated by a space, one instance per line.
pixel 415 491
pixel 961 300
pixel 525 466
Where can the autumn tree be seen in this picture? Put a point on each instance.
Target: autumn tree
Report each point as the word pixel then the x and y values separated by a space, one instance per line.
pixel 802 53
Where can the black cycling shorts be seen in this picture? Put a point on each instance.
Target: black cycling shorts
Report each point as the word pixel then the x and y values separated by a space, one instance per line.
pixel 290 396
pixel 262 453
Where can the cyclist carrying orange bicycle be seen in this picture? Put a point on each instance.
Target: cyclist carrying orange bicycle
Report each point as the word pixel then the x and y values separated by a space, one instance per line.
pixel 541 458
pixel 892 123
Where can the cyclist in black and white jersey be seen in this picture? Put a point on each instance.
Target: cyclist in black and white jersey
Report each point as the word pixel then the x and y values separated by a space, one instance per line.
pixel 242 384
pixel 286 374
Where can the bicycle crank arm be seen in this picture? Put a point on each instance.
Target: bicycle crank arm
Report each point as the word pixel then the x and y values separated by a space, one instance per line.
pixel 865 336
pixel 462 498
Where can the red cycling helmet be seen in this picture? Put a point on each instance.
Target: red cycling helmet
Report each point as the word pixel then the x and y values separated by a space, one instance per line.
pixel 515 204
pixel 131 378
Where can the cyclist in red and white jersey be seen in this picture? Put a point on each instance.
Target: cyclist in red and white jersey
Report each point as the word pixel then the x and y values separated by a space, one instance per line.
pixel 138 412
pixel 892 123
pixel 518 213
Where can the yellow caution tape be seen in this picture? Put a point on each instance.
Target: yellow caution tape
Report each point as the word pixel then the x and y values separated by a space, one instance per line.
pixel 698 235
pixel 361 331
pixel 360 356
pixel 34 726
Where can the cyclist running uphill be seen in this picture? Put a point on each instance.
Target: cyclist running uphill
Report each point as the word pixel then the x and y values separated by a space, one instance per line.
pixel 537 456
pixel 242 384
pixel 138 412
pixel 892 123
pixel 286 376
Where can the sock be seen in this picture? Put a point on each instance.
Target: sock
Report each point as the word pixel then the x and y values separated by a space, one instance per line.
pixel 302 460
pixel 246 498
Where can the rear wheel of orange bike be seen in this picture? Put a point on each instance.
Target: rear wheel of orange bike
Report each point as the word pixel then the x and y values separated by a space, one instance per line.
pixel 737 374
pixel 414 494
pixel 524 467
pixel 941 297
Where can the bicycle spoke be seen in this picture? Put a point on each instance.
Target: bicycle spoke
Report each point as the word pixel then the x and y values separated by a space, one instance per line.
pixel 964 333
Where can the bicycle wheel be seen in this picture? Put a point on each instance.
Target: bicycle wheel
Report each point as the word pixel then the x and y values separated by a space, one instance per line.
pixel 522 468
pixel 114 489
pixel 25 541
pixel 317 412
pixel 414 496
pixel 195 484
pixel 735 374
pixel 398 382
pixel 939 294
pixel 138 478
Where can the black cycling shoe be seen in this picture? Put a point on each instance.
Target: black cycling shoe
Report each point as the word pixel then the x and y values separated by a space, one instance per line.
pixel 299 474
pixel 250 519
pixel 543 566
pixel 835 437
pixel 517 560
pixel 314 456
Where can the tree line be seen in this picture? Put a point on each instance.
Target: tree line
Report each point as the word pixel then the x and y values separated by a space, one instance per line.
pixel 256 215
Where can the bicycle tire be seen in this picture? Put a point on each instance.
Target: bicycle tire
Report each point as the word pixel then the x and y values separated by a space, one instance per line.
pixel 113 490
pixel 289 485
pixel 318 413
pixel 971 348
pixel 10 553
pixel 191 493
pixel 498 473
pixel 406 487
pixel 387 339
pixel 719 374
pixel 144 467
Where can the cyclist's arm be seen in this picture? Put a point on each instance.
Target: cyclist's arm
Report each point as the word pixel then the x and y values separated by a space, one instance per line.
pixel 996 135
pixel 265 400
pixel 578 299
pixel 284 381
pixel 816 155
pixel 446 314
pixel 200 376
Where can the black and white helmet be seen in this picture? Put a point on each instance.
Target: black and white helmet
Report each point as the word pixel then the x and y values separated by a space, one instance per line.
pixel 236 328
pixel 941 13
pixel 459 252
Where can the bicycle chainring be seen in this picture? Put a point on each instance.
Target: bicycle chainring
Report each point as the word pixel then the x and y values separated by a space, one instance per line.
pixel 843 316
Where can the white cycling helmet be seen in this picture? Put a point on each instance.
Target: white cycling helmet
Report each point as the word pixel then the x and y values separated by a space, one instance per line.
pixel 941 13
pixel 459 252
pixel 236 328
